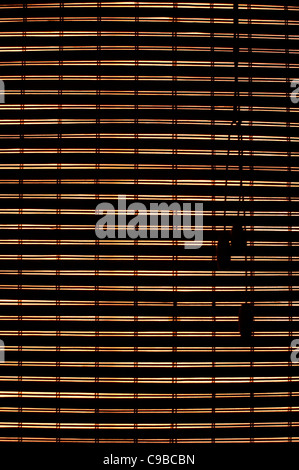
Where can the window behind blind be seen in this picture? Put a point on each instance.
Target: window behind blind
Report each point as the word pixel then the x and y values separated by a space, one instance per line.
pixel 123 341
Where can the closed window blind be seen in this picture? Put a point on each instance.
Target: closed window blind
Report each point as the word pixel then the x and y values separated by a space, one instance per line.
pixel 138 340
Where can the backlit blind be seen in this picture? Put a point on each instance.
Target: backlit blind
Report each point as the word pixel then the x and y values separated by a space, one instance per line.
pixel 137 341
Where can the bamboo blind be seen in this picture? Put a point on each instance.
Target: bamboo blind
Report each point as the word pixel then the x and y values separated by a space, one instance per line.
pixel 137 341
